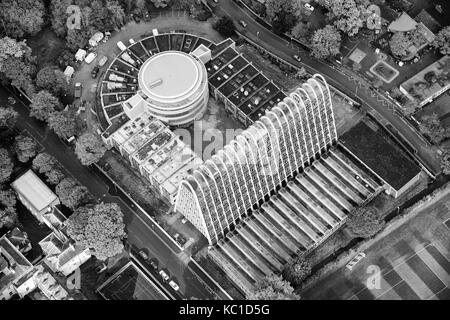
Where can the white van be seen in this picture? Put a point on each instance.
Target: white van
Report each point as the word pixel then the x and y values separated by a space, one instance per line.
pixel 155 32
pixel 121 46
pixel 90 57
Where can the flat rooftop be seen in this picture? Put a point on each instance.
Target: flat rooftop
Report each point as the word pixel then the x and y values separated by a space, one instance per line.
pixel 34 190
pixel 378 152
pixel 169 74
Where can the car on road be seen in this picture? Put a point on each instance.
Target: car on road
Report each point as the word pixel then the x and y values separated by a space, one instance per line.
pixel 183 221
pixel 78 90
pixel 143 254
pixel 174 285
pixel 296 57
pixel 94 72
pixel 243 23
pixel 164 275
pixel 154 264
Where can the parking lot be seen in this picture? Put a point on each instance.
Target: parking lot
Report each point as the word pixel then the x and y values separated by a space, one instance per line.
pixel 411 262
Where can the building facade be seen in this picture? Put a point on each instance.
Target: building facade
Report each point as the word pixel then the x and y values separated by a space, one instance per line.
pixel 242 176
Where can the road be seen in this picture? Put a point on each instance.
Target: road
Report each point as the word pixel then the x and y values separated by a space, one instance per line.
pixel 140 233
pixel 348 85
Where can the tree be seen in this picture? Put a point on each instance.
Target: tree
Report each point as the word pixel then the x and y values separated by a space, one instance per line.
pixel 71 194
pixel 77 39
pixel 7 198
pixel 6 165
pixel 17 63
pixel 442 41
pixel 445 161
pixel 116 13
pixel 160 3
pixel 22 17
pixel 100 228
pixel 283 22
pixel 8 117
pixel 53 80
pixel 347 15
pixel 8 218
pixel 63 123
pixel 365 222
pixel 431 126
pixel 54 176
pixel 44 162
pixel 399 44
pixel 274 7
pixel 43 104
pixel 325 42
pixel 89 149
pixel 59 16
pixel 296 271
pixel 273 287
pixel 225 26
pixel 301 30
pixel 25 148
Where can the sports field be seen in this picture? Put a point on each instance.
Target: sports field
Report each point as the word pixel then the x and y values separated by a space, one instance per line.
pixel 410 263
pixel 130 283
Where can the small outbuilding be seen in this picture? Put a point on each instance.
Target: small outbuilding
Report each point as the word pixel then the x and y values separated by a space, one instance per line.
pixel 95 39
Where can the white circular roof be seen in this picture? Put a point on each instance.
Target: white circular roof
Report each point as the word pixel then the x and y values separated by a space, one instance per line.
pixel 169 75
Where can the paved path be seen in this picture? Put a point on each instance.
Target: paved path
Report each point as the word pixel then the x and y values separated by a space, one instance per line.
pixel 352 87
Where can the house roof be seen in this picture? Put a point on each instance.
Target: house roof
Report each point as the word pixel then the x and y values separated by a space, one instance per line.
pixel 403 23
pixel 34 190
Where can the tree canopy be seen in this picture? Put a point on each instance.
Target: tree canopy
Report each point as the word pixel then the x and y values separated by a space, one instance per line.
pixel 325 42
pixel 442 41
pixel 296 270
pixel 348 16
pixel 445 161
pixel 431 126
pixel 365 222
pixel 22 17
pixel 71 194
pixel 273 287
pixel 399 44
pixel 8 117
pixel 89 148
pixel 43 104
pixel 62 123
pixel 53 80
pixel 100 228
pixel 6 165
pixel 49 166
pixel 225 26
pixel 17 64
pixel 25 148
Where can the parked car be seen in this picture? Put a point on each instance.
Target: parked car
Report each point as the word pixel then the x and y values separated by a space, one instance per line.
pixel 78 90
pixel 70 140
pixel 183 221
pixel 174 285
pixel 101 268
pixel 102 61
pixel 143 254
pixel 355 260
pixel 187 44
pixel 90 57
pixel 296 57
pixel 164 275
pixel 243 23
pixel 154 264
pixel 94 72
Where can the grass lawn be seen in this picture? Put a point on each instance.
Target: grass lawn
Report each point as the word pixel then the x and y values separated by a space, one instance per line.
pixel 46 46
